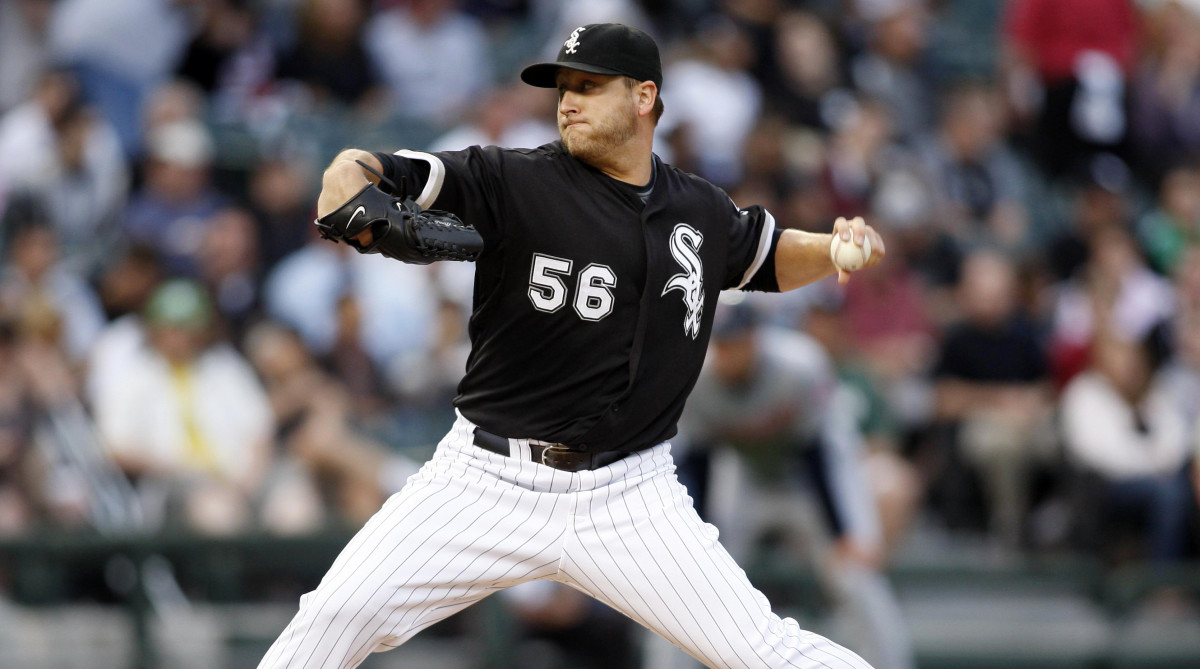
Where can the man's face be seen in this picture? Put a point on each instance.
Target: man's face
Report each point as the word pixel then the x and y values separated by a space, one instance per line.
pixel 596 113
pixel 179 344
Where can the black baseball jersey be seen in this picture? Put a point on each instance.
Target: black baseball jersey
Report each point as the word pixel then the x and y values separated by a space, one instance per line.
pixel 593 298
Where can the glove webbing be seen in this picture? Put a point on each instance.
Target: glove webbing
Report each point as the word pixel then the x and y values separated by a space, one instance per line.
pixel 440 235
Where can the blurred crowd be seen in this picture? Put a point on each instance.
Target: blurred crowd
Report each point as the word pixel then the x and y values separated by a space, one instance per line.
pixel 178 348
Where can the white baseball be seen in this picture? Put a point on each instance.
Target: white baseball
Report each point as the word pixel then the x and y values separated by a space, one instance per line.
pixel 848 255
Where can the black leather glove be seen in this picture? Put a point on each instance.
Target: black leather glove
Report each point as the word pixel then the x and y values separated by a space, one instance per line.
pixel 400 229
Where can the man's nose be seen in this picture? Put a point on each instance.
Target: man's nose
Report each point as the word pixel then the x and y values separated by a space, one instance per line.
pixel 567 103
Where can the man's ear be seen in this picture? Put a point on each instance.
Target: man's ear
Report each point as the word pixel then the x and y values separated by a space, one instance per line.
pixel 647 93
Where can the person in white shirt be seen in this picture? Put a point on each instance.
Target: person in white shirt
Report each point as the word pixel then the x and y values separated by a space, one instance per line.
pixel 714 97
pixel 436 89
pixel 190 421
pixel 58 149
pixel 1123 428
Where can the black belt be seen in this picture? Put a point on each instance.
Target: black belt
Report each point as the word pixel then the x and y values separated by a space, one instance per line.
pixel 557 456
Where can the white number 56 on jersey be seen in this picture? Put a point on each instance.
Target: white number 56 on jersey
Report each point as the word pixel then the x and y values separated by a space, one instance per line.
pixel 593 287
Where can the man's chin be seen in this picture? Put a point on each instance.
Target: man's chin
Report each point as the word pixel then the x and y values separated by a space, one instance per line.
pixel 569 133
pixel 577 146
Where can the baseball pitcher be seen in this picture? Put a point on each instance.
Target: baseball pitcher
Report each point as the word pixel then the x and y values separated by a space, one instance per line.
pixel 598 268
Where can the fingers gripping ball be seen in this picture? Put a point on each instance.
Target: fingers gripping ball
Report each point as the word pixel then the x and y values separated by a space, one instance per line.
pixel 848 255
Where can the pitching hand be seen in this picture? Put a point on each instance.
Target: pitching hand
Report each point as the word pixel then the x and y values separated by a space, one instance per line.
pixel 858 230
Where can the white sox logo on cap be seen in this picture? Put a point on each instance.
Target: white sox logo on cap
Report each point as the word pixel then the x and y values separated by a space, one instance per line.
pixel 572 42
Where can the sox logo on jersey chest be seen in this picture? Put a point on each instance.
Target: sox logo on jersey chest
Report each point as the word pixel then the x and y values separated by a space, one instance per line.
pixel 685 247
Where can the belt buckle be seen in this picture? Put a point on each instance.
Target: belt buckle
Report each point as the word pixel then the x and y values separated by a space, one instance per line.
pixel 551 457
pixel 546 450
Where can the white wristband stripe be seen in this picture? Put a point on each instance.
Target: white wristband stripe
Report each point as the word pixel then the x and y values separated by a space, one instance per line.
pixel 764 245
pixel 437 175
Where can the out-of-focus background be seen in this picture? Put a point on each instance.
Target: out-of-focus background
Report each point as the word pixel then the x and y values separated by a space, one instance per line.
pixel 200 401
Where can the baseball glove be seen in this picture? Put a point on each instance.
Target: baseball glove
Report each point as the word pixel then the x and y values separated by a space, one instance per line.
pixel 400 229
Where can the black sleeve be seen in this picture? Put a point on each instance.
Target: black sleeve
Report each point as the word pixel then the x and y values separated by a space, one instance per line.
pixel 814 460
pixel 466 183
pixel 752 242
pixel 765 279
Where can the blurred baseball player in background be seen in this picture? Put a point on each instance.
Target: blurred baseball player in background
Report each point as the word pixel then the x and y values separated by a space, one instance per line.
pixel 597 272
pixel 785 458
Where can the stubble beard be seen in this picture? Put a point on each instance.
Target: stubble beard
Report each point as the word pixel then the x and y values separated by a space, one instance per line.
pixel 605 136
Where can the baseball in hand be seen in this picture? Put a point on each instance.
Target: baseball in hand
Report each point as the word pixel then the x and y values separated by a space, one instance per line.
pixel 849 256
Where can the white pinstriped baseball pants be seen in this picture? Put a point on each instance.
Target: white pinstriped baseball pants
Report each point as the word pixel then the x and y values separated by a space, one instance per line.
pixel 471 523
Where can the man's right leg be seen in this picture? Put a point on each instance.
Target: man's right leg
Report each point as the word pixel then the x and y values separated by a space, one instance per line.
pixel 459 531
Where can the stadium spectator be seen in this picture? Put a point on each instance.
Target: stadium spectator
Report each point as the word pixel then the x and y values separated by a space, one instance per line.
pixel 889 68
pixel 177 199
pixel 329 55
pixel 189 421
pixel 1182 372
pixel 55 147
pixel 1165 115
pixel 42 484
pixel 713 99
pixel 36 284
pixel 857 152
pixel 1187 282
pixel 230 57
pixel 1100 192
pixel 280 198
pixel 993 400
pixel 329 471
pixel 435 90
pixel 895 334
pixel 24 29
pixel 1173 225
pixel 505 117
pixel 229 268
pixel 1128 437
pixel 120 50
pixel 979 190
pixel 803 79
pixel 125 287
pixel 18 482
pixel 1115 291
pixel 1067 79
pixel 904 202
pixel 172 101
pixel 346 309
pixel 767 173
pixel 351 361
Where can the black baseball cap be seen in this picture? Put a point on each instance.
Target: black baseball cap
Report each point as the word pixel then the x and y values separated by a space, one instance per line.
pixel 602 48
